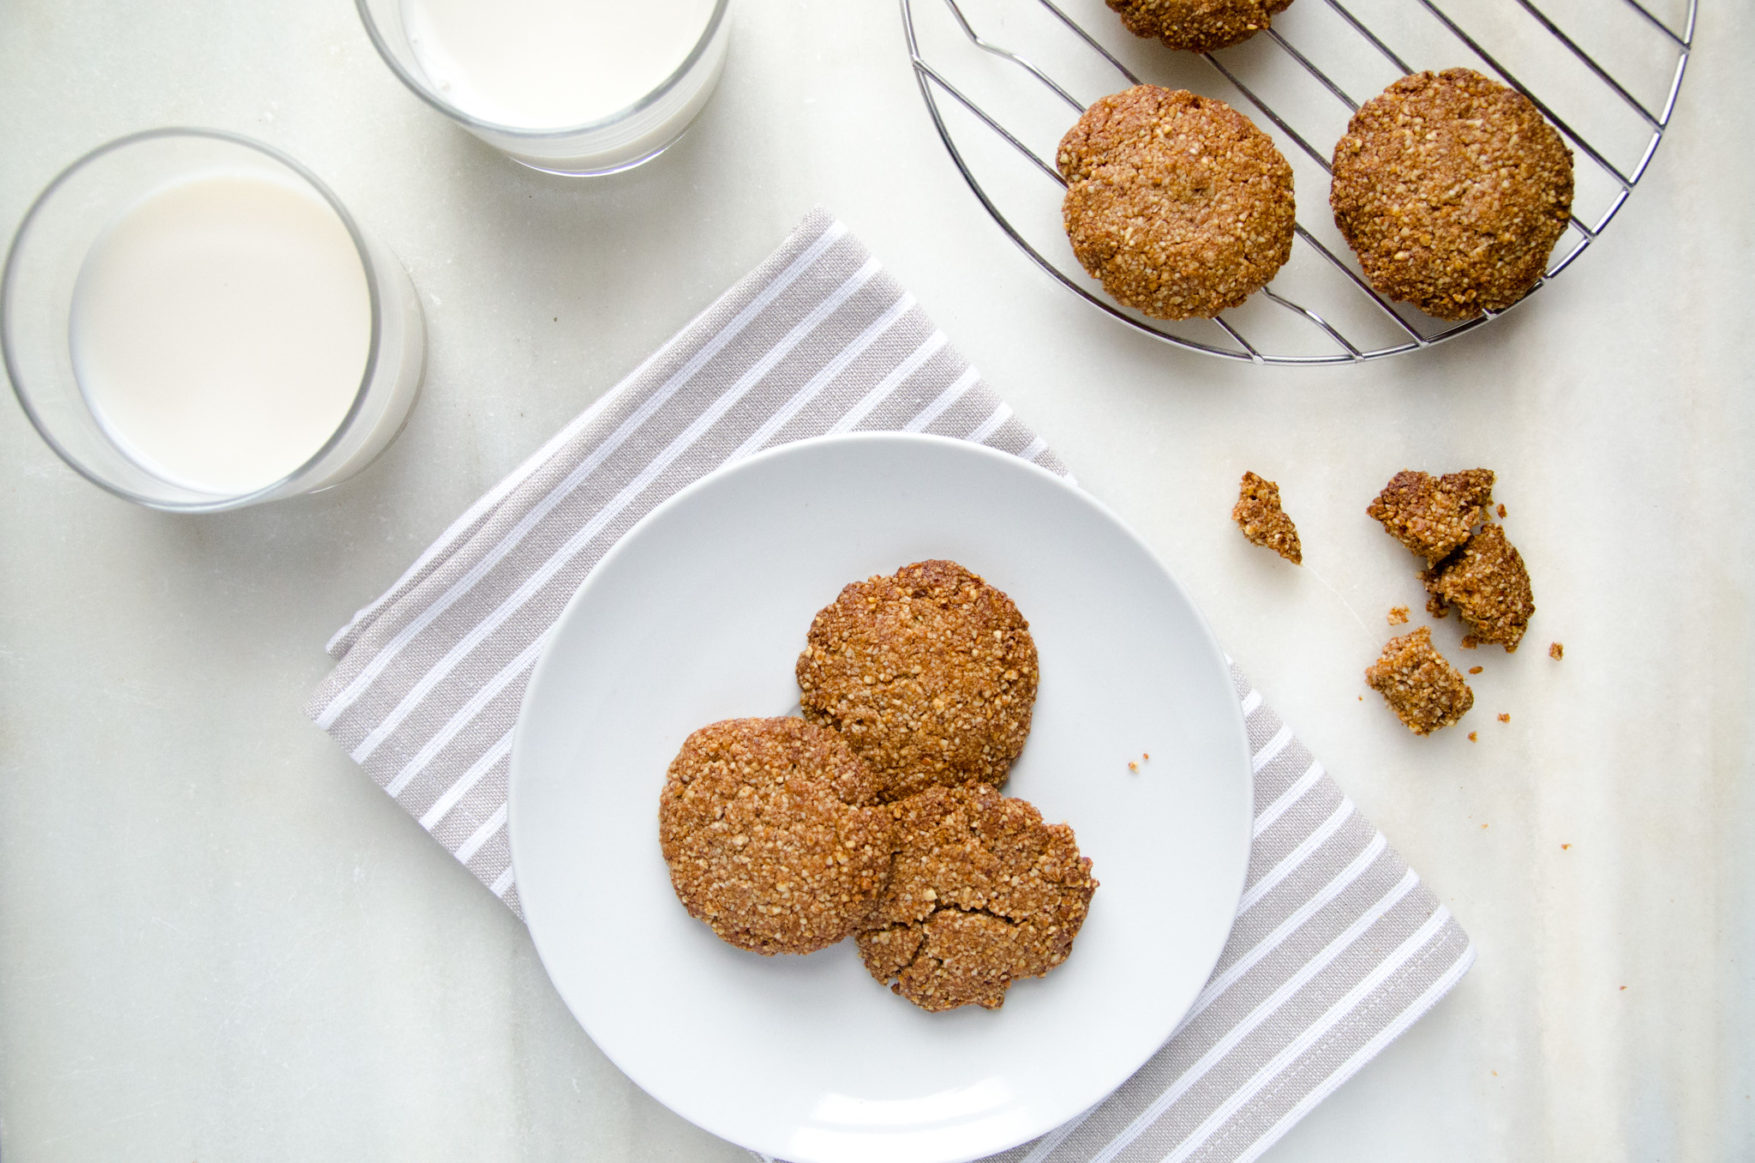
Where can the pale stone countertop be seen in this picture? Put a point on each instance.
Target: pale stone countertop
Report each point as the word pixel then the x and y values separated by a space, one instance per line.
pixel 218 940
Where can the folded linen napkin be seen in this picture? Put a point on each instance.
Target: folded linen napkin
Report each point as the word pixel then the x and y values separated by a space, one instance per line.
pixel 1337 947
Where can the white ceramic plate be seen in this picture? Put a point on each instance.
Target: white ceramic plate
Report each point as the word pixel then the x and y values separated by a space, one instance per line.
pixel 698 614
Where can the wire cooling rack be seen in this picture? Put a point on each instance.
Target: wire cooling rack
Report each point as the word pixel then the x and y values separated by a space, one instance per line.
pixel 1004 79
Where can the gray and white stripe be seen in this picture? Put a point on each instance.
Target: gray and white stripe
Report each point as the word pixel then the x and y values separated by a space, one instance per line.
pixel 1337 945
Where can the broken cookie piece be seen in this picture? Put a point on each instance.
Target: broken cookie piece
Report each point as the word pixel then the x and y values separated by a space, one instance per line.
pixel 1487 584
pixel 1433 515
pixel 981 893
pixel 1424 690
pixel 1263 522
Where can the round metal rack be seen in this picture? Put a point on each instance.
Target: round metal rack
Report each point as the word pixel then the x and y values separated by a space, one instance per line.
pixel 1004 79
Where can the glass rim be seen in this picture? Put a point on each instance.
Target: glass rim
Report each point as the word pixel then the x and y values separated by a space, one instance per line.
pixel 368 268
pixel 420 89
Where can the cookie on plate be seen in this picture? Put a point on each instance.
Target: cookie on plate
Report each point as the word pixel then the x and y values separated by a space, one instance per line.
pixel 1178 204
pixel 1452 190
pixel 773 834
pixel 1197 25
pixel 981 893
pixel 929 674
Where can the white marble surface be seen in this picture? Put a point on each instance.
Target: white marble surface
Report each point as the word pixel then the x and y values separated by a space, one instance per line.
pixel 219 940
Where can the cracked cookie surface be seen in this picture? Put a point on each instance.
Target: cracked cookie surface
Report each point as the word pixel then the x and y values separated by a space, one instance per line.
pixel 929 674
pixel 981 893
pixel 773 834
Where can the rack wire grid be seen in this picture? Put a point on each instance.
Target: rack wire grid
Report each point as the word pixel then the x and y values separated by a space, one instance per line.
pixel 1004 79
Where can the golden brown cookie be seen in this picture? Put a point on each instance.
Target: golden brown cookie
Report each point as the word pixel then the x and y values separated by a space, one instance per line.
pixel 1263 522
pixel 1452 190
pixel 981 894
pixel 1177 203
pixel 1424 690
pixel 1197 25
pixel 773 834
pixel 1488 585
pixel 1433 515
pixel 929 674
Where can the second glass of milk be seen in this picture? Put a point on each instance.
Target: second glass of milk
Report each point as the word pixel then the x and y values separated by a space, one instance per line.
pixel 564 86
pixel 194 322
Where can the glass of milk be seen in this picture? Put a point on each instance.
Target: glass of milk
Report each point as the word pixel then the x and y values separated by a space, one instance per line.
pixel 193 321
pixel 564 86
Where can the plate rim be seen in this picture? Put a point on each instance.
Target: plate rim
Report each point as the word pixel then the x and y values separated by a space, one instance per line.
pixel 755 463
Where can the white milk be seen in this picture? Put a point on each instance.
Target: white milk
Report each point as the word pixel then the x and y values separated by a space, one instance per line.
pixel 550 64
pixel 220 329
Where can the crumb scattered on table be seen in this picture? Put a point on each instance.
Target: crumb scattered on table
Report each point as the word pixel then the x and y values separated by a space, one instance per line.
pixel 1471 740
pixel 1476 669
pixel 1564 847
pixel 1398 615
pixel 1424 690
pixel 1505 718
pixel 1132 766
pixel 1501 510
pixel 1263 522
pixel 1556 651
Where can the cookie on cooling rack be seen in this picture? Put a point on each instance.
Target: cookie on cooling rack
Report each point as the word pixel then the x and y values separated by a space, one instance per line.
pixel 1452 190
pixel 1197 25
pixel 982 893
pixel 773 835
pixel 929 675
pixel 1177 203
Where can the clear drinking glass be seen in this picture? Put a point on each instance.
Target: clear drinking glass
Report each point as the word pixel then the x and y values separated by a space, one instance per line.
pixel 637 130
pixel 37 301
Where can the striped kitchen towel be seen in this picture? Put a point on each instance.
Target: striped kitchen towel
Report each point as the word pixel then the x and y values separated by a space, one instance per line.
pixel 1338 946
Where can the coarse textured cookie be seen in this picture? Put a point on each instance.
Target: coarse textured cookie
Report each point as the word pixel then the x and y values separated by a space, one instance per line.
pixel 1433 515
pixel 981 894
pixel 929 674
pixel 1424 690
pixel 1487 583
pixel 773 834
pixel 1263 522
pixel 1452 190
pixel 1198 25
pixel 1177 203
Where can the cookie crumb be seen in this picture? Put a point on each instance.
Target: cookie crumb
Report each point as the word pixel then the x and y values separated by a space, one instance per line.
pixel 1432 515
pixel 1469 642
pixel 1471 740
pixel 1398 615
pixel 1132 766
pixel 1424 690
pixel 1564 847
pixel 1556 651
pixel 1263 522
pixel 1501 510
pixel 1476 669
pixel 1505 718
pixel 1488 584
pixel 1145 755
